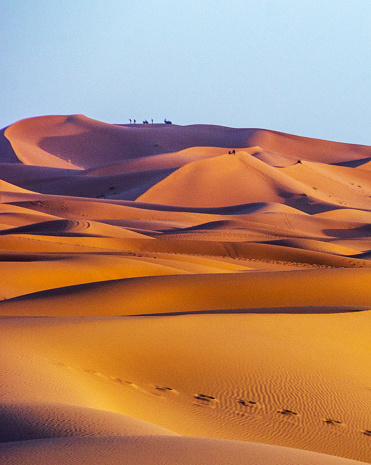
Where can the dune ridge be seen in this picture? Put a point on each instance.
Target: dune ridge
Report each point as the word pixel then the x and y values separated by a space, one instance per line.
pixel 183 294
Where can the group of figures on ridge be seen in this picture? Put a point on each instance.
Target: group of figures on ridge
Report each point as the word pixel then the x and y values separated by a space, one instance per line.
pixel 134 121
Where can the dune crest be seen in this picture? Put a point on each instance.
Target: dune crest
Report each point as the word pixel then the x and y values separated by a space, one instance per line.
pixel 183 294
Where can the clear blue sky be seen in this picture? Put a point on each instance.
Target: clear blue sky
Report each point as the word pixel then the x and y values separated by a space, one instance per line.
pixel 298 66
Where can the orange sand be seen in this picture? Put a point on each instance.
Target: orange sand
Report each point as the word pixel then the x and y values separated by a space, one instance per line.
pixel 165 301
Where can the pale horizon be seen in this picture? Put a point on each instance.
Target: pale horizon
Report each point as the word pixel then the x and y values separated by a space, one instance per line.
pixel 300 69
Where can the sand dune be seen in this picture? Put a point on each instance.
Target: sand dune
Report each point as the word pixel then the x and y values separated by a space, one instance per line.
pixel 52 141
pixel 25 422
pixel 222 181
pixel 252 387
pixel 183 294
pixel 199 292
pixel 159 450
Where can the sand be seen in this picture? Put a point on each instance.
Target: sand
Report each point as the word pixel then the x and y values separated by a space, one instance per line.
pixel 183 294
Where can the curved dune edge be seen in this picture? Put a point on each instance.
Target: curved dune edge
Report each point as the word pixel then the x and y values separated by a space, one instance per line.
pixel 58 270
pixel 194 293
pixel 268 378
pixel 30 421
pixel 55 137
pixel 158 450
pixel 210 181
pixel 201 281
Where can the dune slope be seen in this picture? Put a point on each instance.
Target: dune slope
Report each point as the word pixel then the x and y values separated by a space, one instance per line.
pixel 183 294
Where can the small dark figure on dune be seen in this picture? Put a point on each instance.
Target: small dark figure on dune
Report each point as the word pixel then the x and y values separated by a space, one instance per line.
pixel 167 122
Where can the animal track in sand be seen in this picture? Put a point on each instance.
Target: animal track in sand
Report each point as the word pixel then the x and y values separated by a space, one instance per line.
pixel 247 403
pixel 115 379
pixel 157 390
pixel 200 400
pixel 166 389
pixel 330 421
pixel 121 381
pixel 96 373
pixel 287 412
pixel 205 400
pixel 161 391
pixel 205 397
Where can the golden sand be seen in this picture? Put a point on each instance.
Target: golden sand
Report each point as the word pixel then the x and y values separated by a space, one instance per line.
pixel 183 294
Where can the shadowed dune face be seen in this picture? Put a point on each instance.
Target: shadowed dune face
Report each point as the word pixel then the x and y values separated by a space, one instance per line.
pixel 183 294
pixel 164 450
pixel 57 137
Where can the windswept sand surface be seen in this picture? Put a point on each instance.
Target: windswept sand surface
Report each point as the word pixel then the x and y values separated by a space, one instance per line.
pixel 183 295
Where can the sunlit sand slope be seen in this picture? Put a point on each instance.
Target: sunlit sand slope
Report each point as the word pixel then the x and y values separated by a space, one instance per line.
pixel 158 450
pixel 201 293
pixel 52 140
pixel 291 379
pixel 183 294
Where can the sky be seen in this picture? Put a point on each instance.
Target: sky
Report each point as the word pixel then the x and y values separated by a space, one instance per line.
pixel 296 66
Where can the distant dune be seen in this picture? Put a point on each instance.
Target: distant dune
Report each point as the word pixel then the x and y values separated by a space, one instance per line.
pixel 183 294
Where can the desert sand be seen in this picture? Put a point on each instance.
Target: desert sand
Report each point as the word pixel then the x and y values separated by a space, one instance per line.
pixel 183 295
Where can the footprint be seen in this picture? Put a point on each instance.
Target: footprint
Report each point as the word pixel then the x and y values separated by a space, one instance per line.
pixel 367 432
pixel 90 372
pixel 110 378
pixel 121 381
pixel 205 400
pixel 330 421
pixel 287 412
pixel 205 397
pixel 164 390
pixel 96 373
pixel 247 403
